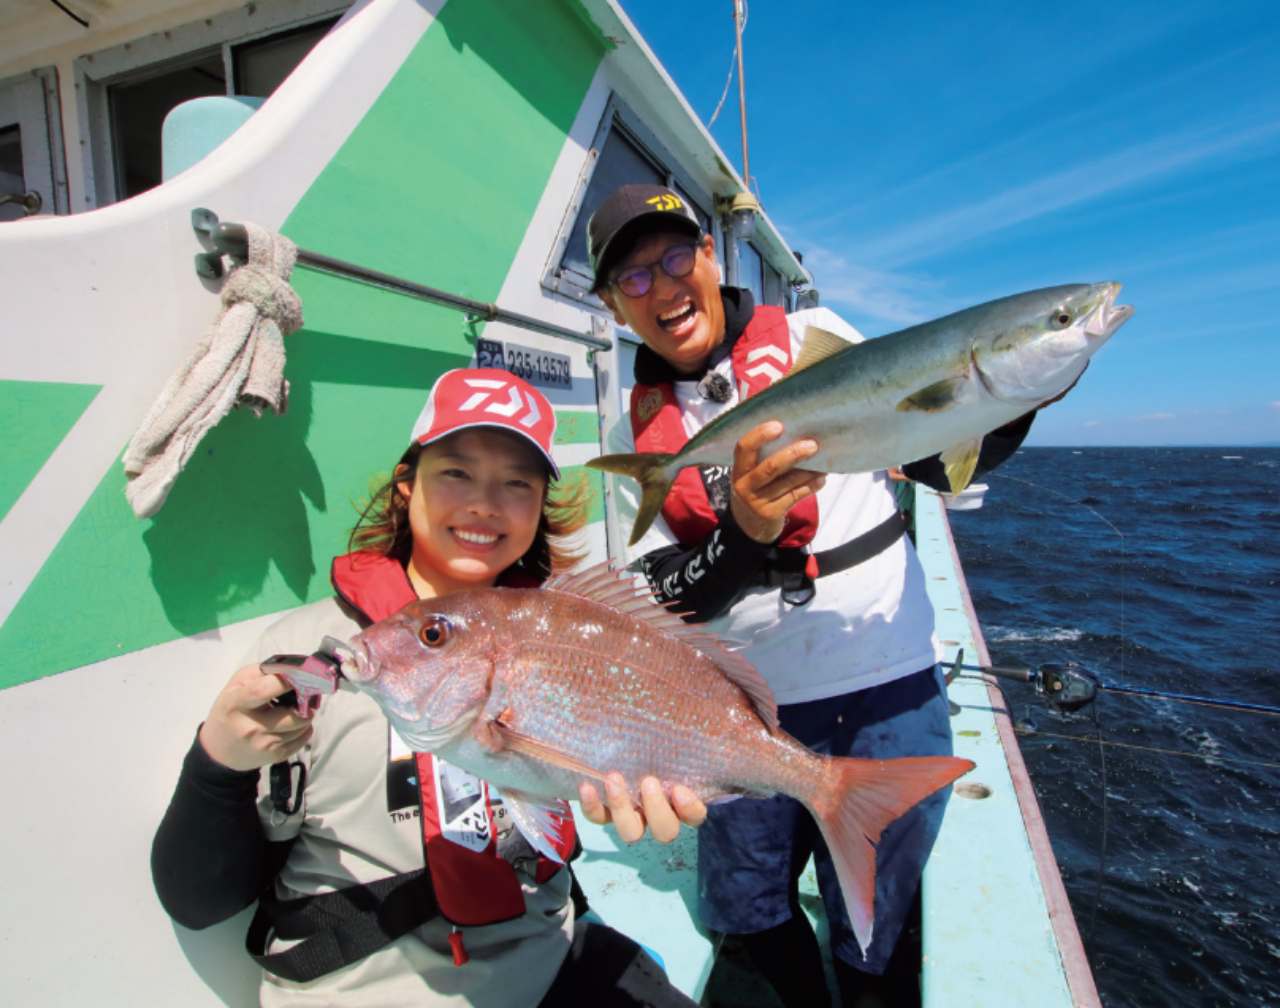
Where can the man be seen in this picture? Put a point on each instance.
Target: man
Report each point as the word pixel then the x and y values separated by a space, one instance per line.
pixel 850 655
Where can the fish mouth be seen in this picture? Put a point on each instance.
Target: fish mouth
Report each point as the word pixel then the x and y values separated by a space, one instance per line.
pixel 360 667
pixel 1107 316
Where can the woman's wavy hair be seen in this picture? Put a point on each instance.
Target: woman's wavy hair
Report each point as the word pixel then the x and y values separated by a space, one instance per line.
pixel 383 526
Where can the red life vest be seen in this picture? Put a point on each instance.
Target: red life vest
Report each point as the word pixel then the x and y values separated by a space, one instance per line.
pixel 760 357
pixel 473 888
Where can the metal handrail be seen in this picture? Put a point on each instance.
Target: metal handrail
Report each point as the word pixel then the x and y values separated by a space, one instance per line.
pixel 232 240
pixel 31 202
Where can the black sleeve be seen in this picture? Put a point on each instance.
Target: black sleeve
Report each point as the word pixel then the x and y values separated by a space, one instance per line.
pixel 707 578
pixel 997 448
pixel 210 858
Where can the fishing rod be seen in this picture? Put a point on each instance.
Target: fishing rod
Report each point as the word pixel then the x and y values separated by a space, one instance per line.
pixel 1069 686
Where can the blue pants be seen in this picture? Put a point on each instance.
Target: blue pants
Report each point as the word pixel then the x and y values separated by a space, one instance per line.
pixel 751 851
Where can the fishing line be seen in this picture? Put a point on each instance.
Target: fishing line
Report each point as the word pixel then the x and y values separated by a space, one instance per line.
pixel 1124 555
pixel 1102 755
pixel 733 63
pixel 1102 850
pixel 1151 749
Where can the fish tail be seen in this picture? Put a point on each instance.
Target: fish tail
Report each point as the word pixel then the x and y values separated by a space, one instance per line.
pixel 860 799
pixel 647 469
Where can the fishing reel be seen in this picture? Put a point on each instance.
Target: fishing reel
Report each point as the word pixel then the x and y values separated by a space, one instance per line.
pixel 1065 686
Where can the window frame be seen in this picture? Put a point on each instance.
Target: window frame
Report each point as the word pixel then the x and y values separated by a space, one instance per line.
pixel 139 59
pixel 565 282
pixel 29 101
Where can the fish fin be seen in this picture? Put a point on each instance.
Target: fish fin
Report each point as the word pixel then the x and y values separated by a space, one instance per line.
pixel 861 799
pixel 961 460
pixel 600 584
pixel 818 346
pixel 526 745
pixel 935 398
pixel 540 820
pixel 594 582
pixel 743 675
pixel 647 469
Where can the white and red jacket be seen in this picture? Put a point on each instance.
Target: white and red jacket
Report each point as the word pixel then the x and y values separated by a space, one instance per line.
pixel 870 624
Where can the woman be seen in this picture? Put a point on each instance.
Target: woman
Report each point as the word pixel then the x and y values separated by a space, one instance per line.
pixel 386 877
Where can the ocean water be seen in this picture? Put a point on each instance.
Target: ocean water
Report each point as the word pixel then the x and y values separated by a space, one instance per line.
pixel 1165 576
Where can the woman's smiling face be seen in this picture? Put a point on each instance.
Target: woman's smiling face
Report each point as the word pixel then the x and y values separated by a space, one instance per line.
pixel 474 509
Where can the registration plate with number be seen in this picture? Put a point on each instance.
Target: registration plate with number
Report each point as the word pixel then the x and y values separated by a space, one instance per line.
pixel 537 367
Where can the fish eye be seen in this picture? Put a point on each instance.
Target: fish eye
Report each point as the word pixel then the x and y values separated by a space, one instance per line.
pixel 1061 318
pixel 435 631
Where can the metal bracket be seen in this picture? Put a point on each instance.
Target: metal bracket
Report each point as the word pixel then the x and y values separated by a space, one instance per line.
pixel 208 264
pixel 951 677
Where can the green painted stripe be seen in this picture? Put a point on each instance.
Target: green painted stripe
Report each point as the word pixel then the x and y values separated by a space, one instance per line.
pixel 577 427
pixel 34 418
pixel 437 184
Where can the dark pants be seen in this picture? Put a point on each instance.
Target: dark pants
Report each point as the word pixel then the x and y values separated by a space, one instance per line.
pixel 606 969
pixel 751 851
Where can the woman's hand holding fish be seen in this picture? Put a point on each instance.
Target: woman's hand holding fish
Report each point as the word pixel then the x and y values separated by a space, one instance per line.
pixel 244 731
pixel 763 492
pixel 662 817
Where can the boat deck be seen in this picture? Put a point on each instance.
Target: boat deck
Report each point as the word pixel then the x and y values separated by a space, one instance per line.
pixel 994 932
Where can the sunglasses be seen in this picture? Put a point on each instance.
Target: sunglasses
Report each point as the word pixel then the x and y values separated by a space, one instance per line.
pixel 678 261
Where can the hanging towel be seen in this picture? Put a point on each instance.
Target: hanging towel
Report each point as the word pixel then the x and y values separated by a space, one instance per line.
pixel 238 362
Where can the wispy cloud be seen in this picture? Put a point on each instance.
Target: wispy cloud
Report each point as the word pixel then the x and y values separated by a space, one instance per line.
pixel 897 298
pixel 1059 190
pixel 1093 423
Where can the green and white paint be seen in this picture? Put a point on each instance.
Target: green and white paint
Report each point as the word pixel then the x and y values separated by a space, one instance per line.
pixel 438 181
pixel 436 141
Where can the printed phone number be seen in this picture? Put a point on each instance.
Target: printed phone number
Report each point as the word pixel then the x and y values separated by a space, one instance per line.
pixel 538 368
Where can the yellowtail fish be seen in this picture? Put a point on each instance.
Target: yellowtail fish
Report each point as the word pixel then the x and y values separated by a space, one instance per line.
pixel 935 388
pixel 535 690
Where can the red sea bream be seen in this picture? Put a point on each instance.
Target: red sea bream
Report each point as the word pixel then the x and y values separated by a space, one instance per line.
pixel 534 690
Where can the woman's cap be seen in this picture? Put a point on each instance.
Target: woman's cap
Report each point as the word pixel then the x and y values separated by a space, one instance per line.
pixel 487 397
pixel 631 211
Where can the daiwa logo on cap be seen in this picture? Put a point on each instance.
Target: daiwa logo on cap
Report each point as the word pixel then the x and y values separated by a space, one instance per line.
pixel 510 408
pixel 487 397
pixel 670 201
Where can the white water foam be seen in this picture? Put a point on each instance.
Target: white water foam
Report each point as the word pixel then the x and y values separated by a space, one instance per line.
pixel 1000 635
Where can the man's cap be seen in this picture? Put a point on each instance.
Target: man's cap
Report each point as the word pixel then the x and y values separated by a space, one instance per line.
pixel 629 212
pixel 487 397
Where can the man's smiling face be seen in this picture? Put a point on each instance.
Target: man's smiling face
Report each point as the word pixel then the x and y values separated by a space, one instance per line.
pixel 680 318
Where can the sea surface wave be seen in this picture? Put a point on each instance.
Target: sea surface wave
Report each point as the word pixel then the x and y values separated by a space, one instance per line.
pixel 1158 569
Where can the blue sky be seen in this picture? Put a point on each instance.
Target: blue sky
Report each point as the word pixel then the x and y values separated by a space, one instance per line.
pixel 925 157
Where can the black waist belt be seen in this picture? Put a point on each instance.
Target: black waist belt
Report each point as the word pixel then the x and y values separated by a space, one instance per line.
pixel 339 928
pixel 794 571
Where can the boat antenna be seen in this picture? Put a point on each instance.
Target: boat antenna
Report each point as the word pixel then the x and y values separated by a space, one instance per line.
pixel 740 22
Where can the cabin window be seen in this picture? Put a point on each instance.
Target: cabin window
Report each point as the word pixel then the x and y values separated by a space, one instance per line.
pixel 129 90
pixel 12 181
pixel 138 109
pixel 774 290
pixel 262 65
pixel 624 152
pixel 620 163
pixel 751 271
pixel 31 158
